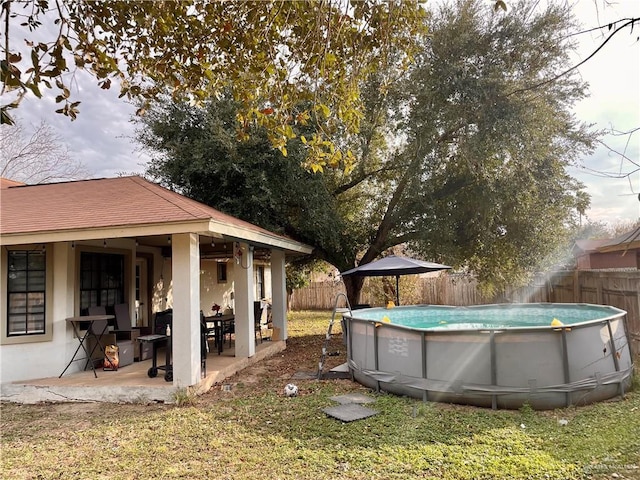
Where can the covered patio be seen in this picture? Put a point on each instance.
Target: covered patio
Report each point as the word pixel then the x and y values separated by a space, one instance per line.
pixel 128 241
pixel 131 384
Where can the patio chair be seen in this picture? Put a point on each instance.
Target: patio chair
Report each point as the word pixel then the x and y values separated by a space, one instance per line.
pixel 257 318
pixel 123 319
pixel 100 327
pixel 204 345
pixel 228 328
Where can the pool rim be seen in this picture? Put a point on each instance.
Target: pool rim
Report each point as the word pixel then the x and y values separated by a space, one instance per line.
pixel 617 314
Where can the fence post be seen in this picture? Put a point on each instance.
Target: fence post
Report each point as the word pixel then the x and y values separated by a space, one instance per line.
pixel 599 297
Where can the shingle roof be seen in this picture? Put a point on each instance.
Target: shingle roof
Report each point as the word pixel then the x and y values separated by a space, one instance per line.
pixel 630 239
pixel 6 183
pixel 103 203
pixel 590 245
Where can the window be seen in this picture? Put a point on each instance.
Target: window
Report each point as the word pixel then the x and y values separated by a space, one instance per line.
pixel 26 285
pixel 260 282
pixel 101 279
pixel 222 272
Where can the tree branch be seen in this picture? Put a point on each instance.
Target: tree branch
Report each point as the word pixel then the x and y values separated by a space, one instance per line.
pixel 562 74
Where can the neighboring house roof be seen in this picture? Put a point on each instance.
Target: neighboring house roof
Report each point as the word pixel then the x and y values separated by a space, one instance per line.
pixel 117 207
pixel 6 183
pixel 626 241
pixel 589 245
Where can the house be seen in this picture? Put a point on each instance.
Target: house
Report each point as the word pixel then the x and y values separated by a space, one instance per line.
pixel 73 245
pixel 602 254
pixel 625 246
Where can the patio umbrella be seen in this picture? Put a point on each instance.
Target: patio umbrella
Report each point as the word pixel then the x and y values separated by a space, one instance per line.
pixel 395 266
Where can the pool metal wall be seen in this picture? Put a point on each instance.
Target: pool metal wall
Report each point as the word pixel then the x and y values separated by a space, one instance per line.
pixel 499 368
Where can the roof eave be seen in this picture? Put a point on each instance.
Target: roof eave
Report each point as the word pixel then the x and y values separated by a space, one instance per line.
pixel 263 238
pixel 620 247
pixel 119 231
pixel 200 226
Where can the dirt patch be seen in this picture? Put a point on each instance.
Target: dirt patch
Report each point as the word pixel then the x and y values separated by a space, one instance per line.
pixel 271 375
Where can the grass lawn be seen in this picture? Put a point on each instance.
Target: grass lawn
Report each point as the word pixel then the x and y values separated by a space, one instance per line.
pixel 254 432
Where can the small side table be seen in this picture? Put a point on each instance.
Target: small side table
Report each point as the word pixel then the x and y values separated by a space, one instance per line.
pixel 96 326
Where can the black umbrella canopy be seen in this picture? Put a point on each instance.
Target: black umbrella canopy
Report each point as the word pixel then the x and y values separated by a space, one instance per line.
pixel 395 266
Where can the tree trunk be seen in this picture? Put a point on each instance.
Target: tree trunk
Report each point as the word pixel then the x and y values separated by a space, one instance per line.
pixel 353 284
pixel 389 289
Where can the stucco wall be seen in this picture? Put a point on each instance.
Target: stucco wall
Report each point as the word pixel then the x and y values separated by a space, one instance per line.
pixel 47 356
pixel 212 291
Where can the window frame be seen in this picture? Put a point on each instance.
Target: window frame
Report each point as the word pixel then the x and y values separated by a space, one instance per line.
pixel 260 287
pixel 222 272
pixel 48 298
pixel 117 294
pixel 34 299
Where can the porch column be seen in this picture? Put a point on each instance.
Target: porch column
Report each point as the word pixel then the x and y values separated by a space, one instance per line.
pixel 279 292
pixel 185 331
pixel 61 300
pixel 243 300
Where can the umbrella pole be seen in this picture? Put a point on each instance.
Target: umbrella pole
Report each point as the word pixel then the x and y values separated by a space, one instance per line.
pixel 397 289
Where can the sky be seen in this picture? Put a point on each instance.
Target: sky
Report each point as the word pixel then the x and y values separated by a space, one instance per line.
pixel 613 75
pixel 102 137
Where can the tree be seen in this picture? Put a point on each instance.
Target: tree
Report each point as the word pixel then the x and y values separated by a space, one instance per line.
pixel 37 157
pixel 481 181
pixel 461 159
pixel 272 55
pixel 198 154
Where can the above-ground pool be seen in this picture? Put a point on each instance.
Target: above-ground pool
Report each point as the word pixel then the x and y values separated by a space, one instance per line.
pixel 499 356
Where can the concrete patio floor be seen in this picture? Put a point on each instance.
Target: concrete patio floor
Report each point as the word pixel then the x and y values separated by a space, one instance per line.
pixel 130 384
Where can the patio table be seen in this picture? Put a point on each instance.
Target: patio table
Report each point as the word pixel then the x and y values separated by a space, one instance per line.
pixel 221 323
pixel 89 322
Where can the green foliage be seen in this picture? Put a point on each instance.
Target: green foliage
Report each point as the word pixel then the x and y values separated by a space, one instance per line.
pixel 299 273
pixel 199 155
pixel 273 55
pixel 462 158
pixel 497 199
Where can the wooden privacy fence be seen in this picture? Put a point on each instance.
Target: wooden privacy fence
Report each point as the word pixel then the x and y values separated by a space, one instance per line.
pixel 441 290
pixel 620 289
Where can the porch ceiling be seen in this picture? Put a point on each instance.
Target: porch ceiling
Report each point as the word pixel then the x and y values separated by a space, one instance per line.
pixel 222 248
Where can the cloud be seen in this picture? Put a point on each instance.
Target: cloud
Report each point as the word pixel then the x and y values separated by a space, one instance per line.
pixel 102 135
pixel 613 75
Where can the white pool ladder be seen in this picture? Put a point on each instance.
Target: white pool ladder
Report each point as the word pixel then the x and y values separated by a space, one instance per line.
pixel 327 339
